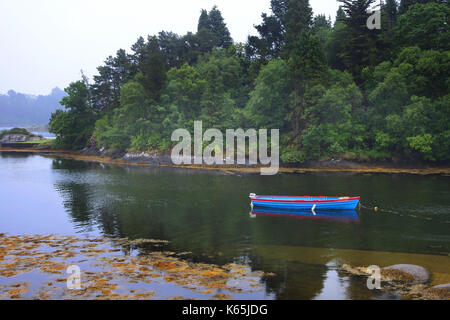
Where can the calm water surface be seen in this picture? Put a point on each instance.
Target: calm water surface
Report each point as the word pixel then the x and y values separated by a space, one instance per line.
pixel 208 214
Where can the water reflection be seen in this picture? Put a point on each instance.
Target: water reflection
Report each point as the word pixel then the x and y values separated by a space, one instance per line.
pixel 344 216
pixel 206 213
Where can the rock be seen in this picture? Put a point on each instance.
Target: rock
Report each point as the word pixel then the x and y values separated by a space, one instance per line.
pixel 442 286
pixel 17 135
pixel 411 273
pixel 439 292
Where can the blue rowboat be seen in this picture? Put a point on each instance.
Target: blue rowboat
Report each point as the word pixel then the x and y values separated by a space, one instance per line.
pixel 304 203
pixel 344 216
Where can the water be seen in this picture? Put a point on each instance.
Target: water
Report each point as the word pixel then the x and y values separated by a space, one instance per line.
pixel 208 214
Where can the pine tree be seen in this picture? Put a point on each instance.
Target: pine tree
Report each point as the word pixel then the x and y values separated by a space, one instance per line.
pixel 219 29
pixel 212 30
pixel 203 21
pixel 152 69
pixel 363 45
pixel 298 20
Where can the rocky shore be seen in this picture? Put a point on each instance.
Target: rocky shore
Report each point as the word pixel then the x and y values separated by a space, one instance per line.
pixel 157 159
pixel 406 280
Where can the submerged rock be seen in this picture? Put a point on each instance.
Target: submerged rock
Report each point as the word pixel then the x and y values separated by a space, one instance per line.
pixel 403 280
pixel 407 272
pixel 442 286
pixel 439 292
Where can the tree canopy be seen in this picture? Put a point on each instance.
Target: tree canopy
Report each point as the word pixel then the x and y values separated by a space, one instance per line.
pixel 333 89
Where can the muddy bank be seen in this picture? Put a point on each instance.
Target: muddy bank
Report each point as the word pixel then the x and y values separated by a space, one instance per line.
pixel 154 159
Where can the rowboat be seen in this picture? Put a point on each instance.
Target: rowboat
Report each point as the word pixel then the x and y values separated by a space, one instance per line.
pixel 345 216
pixel 305 202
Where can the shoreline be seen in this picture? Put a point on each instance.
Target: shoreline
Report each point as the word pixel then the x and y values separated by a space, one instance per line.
pixel 107 270
pixel 155 161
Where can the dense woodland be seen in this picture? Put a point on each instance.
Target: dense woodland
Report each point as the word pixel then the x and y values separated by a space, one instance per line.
pixel 334 88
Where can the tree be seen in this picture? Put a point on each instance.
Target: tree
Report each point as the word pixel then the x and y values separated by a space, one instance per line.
pixel 212 26
pixel 321 27
pixel 306 63
pixel 223 77
pixel 74 126
pixel 107 84
pixel 203 21
pixel 270 99
pixel 219 29
pixel 152 69
pixel 389 12
pixel 362 48
pixel 406 4
pixel 298 20
pixel 185 88
pixel 424 25
pixel 335 43
pixel 271 38
pixel 171 46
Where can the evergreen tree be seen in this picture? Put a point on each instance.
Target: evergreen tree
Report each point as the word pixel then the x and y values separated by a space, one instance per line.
pixel 112 75
pixel 212 28
pixel 363 45
pixel 335 44
pixel 203 21
pixel 298 20
pixel 340 15
pixel 152 69
pixel 271 38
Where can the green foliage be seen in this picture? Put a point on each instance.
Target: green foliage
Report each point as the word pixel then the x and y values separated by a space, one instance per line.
pixel 73 127
pixel 269 101
pixel 422 144
pixel 361 46
pixel 152 75
pixel 425 26
pixel 185 88
pixel 337 90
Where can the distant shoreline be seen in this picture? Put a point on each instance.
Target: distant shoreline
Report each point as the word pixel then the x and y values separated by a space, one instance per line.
pixel 162 161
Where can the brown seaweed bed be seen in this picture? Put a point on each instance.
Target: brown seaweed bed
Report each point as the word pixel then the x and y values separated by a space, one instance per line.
pixel 401 284
pixel 35 267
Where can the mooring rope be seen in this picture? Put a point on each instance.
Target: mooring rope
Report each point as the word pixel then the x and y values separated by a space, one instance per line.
pixel 378 209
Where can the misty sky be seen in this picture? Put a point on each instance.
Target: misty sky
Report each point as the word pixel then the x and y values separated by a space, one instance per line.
pixel 45 43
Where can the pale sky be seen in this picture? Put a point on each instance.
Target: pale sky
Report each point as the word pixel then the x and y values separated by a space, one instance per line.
pixel 45 43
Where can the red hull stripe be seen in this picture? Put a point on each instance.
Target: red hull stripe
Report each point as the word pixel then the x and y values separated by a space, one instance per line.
pixel 297 196
pixel 306 201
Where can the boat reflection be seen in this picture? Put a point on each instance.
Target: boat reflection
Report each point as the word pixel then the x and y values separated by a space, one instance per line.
pixel 345 216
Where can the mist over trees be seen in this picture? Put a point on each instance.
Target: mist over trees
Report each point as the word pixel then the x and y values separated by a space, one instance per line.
pixel 333 88
pixel 19 109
